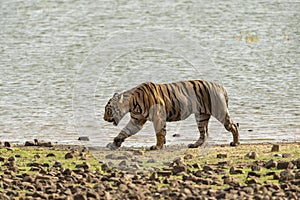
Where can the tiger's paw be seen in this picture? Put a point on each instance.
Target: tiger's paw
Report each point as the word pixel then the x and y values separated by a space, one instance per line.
pixel 198 144
pixel 112 146
pixel 234 144
pixel 155 147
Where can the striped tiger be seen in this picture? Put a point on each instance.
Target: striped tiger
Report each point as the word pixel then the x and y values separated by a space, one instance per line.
pixel 161 103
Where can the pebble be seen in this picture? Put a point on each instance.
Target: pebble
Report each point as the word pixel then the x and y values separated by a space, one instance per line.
pixel 275 148
pixel 8 144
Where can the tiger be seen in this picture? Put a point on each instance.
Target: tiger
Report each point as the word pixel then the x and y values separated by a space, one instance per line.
pixel 161 103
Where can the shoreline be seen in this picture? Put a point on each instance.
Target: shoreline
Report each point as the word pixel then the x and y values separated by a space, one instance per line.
pixel 70 172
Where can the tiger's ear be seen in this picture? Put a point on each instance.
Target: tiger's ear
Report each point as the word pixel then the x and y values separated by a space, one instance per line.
pixel 115 94
pixel 121 99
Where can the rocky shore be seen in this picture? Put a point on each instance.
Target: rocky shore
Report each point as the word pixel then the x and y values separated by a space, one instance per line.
pixel 256 171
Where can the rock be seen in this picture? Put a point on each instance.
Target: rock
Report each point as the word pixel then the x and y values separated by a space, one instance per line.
pixel 254 174
pixel 207 168
pixel 8 144
pixel 84 138
pixel 252 155
pixel 285 165
pixel 255 168
pixel 276 176
pixel 248 190
pixel 84 165
pixel 115 157
pixel 231 181
pixel 122 187
pixel 72 154
pixel 29 143
pixel 151 161
pixel 57 164
pixel 286 175
pixel 45 144
pixel 179 161
pixel 124 163
pixel 138 152
pixel 297 174
pixel 179 168
pixel 235 171
pixel 252 180
pixel 297 163
pixel 286 155
pixel 164 173
pixel 275 148
pixel 176 135
pixel 79 196
pixel 154 176
pixel 222 155
pixel 196 166
pixel 188 156
pixel 270 164
pixel 50 155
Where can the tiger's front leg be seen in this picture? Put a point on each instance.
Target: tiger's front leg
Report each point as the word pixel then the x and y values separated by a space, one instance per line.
pixel 130 129
pixel 160 130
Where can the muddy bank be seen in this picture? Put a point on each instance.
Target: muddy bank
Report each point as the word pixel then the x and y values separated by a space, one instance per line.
pixel 261 171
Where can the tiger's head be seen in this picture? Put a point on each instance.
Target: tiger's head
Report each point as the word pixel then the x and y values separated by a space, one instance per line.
pixel 115 109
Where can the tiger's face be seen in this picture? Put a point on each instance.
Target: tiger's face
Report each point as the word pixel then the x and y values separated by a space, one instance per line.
pixel 114 109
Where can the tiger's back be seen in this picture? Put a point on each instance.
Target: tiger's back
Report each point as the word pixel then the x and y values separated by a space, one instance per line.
pixel 180 99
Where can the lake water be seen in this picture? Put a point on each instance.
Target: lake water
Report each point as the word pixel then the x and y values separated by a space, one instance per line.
pixel 62 60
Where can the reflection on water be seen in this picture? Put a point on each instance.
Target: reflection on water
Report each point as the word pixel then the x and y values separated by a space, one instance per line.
pixel 251 47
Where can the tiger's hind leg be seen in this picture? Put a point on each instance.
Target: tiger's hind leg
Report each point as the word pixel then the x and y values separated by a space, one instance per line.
pixel 202 123
pixel 233 128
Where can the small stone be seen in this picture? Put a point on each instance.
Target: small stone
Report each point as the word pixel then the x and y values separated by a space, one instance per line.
pixel 50 155
pixel 286 175
pixel 297 174
pixel 286 155
pixel 207 168
pixel 8 144
pixel 254 174
pixel 179 168
pixel 84 165
pixel 231 181
pixel 29 143
pixel 154 176
pixel 151 160
pixel 285 165
pixel 45 144
pixel 222 155
pixel 252 155
pixel 124 163
pixel 138 152
pixel 176 135
pixel 297 163
pixel 276 176
pixel 235 171
pixel 196 166
pixel 79 196
pixel 164 173
pixel 252 180
pixel 275 148
pixel 84 138
pixel 57 164
pixel 270 164
pixel 188 156
pixel 255 168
